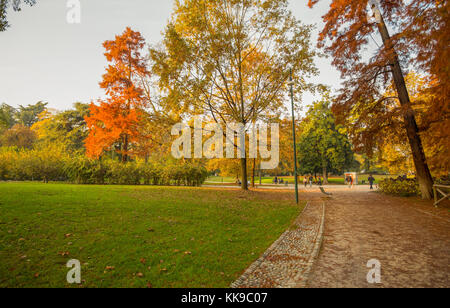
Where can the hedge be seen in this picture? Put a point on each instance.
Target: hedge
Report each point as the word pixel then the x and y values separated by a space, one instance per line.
pixel 51 164
pixel 404 188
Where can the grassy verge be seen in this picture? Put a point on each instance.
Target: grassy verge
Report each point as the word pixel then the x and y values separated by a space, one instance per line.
pixel 135 236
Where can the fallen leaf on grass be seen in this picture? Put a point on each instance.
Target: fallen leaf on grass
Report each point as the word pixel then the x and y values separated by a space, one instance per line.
pixel 143 261
pixel 140 275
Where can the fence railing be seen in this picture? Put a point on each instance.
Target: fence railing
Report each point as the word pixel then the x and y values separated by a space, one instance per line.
pixel 444 190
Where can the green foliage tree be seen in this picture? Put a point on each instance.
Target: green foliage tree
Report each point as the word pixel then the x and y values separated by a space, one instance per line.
pixel 324 146
pixel 7 116
pixel 29 115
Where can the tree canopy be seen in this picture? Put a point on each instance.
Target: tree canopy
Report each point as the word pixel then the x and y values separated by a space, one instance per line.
pixel 229 60
pixel 420 40
pixel 114 125
pixel 323 146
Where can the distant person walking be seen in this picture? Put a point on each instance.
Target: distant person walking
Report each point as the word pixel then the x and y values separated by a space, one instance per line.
pixel 371 181
pixel 305 181
pixel 349 181
pixel 311 179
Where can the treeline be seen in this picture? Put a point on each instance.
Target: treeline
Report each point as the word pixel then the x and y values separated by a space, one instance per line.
pixel 52 164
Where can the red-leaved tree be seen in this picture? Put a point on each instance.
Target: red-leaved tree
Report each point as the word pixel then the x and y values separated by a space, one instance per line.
pixel 114 124
pixel 413 34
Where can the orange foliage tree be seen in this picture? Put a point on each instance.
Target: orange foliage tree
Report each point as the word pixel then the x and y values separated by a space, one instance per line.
pixel 114 125
pixel 420 40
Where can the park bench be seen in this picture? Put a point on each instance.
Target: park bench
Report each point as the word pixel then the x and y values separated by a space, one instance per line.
pixel 324 192
pixel 444 190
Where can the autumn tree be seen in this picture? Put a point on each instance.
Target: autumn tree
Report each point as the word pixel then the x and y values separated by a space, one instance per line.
pixel 420 39
pixel 392 143
pixel 229 60
pixel 324 146
pixel 67 129
pixel 19 136
pixel 114 124
pixel 16 6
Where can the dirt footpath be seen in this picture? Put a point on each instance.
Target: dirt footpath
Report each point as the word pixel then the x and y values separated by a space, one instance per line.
pixel 408 236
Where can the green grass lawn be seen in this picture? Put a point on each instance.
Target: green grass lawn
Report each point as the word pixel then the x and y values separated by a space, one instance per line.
pixel 129 236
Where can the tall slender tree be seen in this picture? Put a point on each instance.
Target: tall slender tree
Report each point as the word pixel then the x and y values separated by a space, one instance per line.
pixel 115 123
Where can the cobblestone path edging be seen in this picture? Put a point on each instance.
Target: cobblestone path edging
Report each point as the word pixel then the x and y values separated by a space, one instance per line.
pixel 288 262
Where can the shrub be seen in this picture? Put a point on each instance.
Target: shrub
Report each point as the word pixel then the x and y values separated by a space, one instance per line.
pixel 45 164
pixel 151 173
pixel 445 180
pixel 51 163
pixel 122 174
pixel 82 170
pixel 404 188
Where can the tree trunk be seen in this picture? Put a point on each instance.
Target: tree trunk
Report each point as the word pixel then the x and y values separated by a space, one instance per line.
pixel 125 150
pixel 244 184
pixel 253 173
pixel 422 171
pixel 325 176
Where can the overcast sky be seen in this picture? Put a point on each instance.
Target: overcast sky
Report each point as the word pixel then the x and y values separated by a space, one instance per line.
pixel 44 58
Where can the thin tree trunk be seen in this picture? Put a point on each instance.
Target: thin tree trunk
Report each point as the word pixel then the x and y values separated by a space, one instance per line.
pixel 125 150
pixel 325 175
pixel 253 172
pixel 422 171
pixel 244 184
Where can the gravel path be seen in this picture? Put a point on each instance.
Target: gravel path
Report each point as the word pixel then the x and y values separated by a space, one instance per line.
pixel 409 237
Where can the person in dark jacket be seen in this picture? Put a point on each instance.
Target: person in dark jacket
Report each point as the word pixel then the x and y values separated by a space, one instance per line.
pixel 371 181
